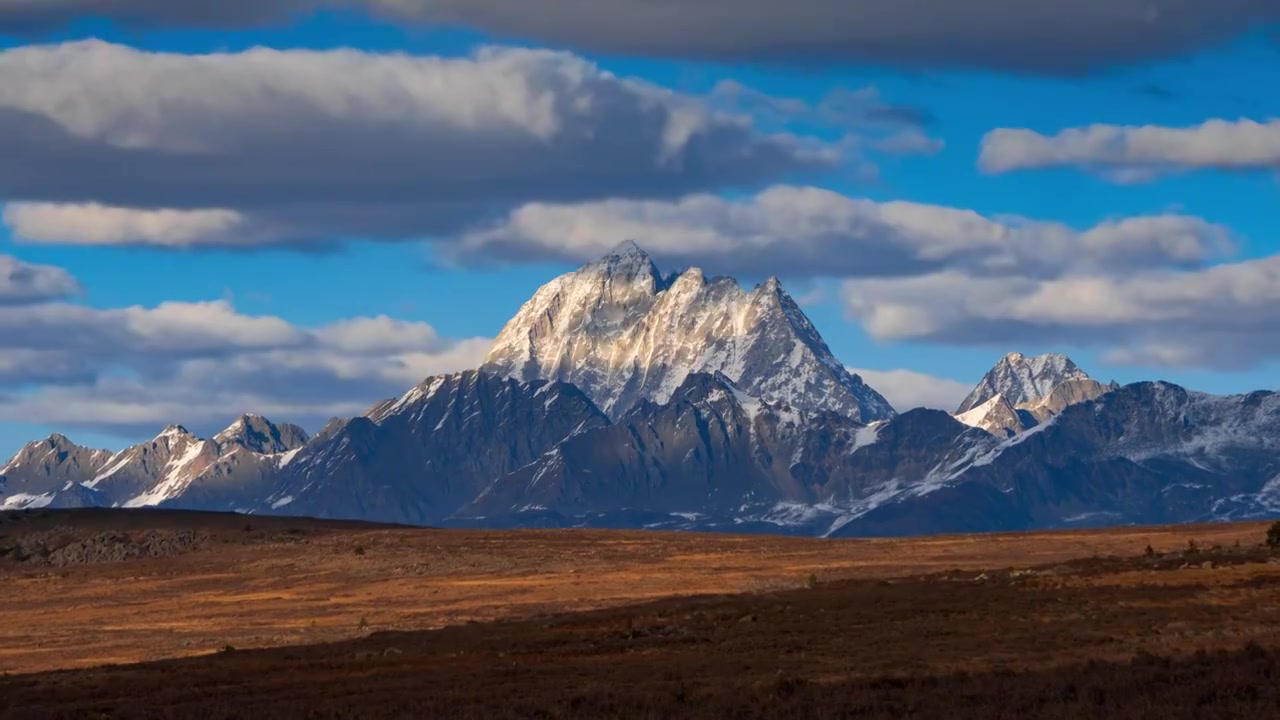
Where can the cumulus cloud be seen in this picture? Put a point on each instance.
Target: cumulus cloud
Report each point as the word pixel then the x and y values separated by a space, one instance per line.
pixel 1224 317
pixel 1048 36
pixel 22 282
pixel 1147 289
pixel 306 386
pixel 136 369
pixel 108 144
pixel 1137 153
pixel 811 232
pixel 94 224
pixel 908 390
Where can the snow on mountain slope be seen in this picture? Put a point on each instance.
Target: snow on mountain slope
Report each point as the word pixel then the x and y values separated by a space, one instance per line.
pixel 419 458
pixel 1208 429
pixel 1147 453
pixel 259 435
pixel 1023 380
pixel 715 457
pixel 59 473
pixel 45 470
pixel 622 333
pixel 1020 392
pixel 997 417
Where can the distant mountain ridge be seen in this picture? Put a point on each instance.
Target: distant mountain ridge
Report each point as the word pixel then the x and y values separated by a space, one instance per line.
pixel 175 463
pixel 620 398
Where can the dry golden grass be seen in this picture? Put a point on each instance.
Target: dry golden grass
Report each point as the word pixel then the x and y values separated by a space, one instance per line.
pixel 295 582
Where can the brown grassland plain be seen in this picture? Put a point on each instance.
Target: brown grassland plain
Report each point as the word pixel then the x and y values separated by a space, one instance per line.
pixel 277 617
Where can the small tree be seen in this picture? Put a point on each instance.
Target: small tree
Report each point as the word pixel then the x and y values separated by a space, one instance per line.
pixel 1273 536
pixel 1150 551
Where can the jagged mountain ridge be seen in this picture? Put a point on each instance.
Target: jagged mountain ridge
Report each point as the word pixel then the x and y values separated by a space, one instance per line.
pixel 620 331
pixel 1146 453
pixel 422 457
pixel 715 458
pixel 47 467
pixel 708 445
pixel 155 472
pixel 703 406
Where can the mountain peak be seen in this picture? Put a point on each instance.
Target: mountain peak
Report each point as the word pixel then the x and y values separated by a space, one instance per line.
pixel 1044 364
pixel 1028 381
pixel 625 249
pixel 626 258
pixel 173 431
pixel 623 334
pixel 258 434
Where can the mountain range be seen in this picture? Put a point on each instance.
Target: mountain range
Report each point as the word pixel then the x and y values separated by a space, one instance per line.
pixel 620 397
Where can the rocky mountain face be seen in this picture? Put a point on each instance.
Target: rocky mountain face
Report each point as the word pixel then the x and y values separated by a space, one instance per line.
pixel 708 447
pixel 623 333
pixel 47 469
pixel 713 457
pixel 1023 380
pixel 620 398
pixel 175 468
pixel 998 417
pixel 1144 453
pixel 259 436
pixel 1020 393
pixel 421 458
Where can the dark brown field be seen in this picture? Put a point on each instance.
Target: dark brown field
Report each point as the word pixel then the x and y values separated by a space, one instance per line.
pixel 363 621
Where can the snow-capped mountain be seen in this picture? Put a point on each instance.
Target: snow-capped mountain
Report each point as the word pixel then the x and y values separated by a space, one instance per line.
pixel 1142 454
pixel 620 331
pixel 1023 380
pixel 1020 393
pixel 49 468
pixel 174 467
pixel 619 398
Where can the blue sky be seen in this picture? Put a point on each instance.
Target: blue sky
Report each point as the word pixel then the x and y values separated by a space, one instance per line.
pixel 109 396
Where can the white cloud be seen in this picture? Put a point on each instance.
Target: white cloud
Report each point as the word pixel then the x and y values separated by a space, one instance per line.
pixel 140 368
pixel 908 390
pixel 139 394
pixel 1139 287
pixel 106 144
pixel 22 282
pixel 1025 36
pixel 94 224
pixel 808 232
pixel 1221 317
pixel 1137 153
